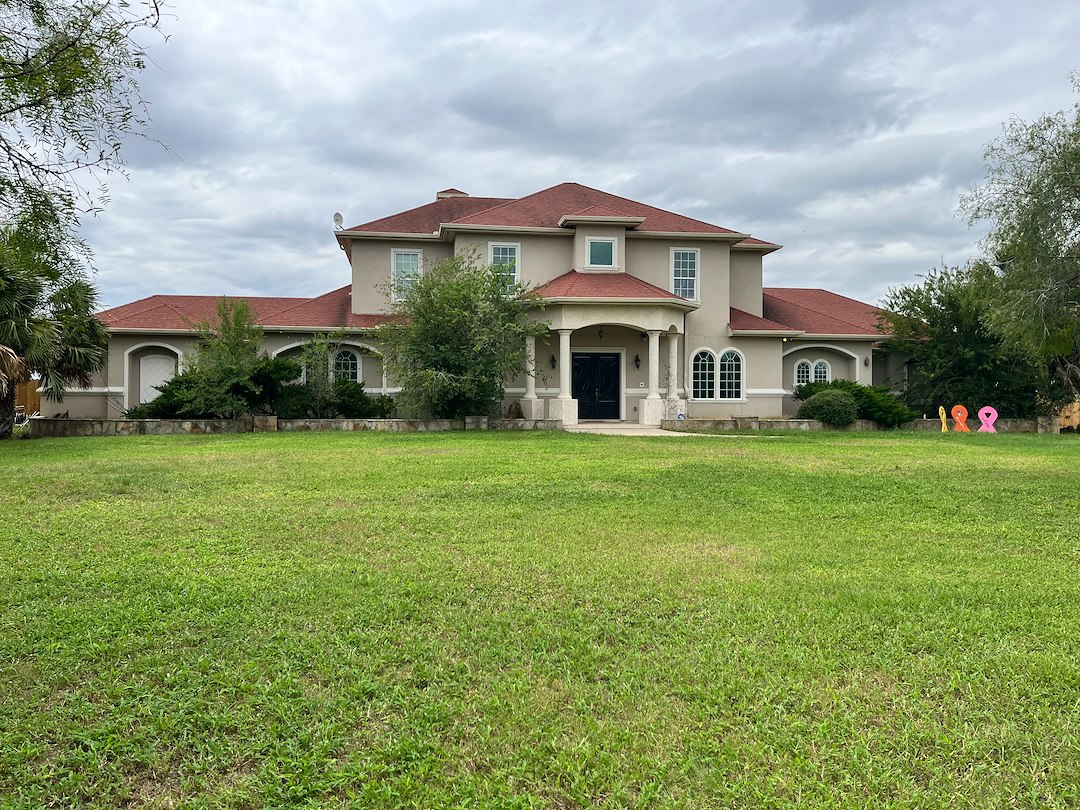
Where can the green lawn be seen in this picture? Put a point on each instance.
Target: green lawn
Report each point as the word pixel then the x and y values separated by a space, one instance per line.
pixel 540 620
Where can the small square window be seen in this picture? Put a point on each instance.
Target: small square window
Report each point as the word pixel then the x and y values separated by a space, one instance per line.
pixel 601 253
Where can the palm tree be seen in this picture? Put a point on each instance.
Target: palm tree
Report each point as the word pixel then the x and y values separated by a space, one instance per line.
pixel 47 327
pixel 12 370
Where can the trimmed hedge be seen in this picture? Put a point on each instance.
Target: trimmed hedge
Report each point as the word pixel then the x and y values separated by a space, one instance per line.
pixel 873 402
pixel 835 408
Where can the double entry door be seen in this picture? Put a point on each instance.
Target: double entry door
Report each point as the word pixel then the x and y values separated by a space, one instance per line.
pixel 595 385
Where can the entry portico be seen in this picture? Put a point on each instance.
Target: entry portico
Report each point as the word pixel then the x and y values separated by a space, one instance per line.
pixel 593 365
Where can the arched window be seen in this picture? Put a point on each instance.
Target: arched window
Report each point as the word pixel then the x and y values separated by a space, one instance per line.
pixel 704 375
pixel 729 385
pixel 347 366
pixel 802 372
pixel 822 372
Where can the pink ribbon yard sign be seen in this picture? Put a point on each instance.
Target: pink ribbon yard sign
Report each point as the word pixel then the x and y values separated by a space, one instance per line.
pixel 987 415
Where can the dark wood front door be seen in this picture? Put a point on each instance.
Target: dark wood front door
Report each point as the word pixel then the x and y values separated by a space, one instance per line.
pixel 595 385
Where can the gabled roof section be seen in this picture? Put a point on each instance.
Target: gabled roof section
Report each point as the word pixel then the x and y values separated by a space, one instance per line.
pixel 427 218
pixel 545 208
pixel 819 312
pixel 608 286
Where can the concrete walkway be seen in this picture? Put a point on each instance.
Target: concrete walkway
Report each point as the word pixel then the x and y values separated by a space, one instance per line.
pixel 621 429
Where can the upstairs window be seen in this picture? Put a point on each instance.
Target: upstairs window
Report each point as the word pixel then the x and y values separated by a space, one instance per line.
pixel 601 253
pixel 504 257
pixel 405 272
pixel 684 273
pixel 802 372
pixel 347 366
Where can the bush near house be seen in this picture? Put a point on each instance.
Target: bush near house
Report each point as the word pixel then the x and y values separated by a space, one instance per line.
pixel 834 407
pixel 874 402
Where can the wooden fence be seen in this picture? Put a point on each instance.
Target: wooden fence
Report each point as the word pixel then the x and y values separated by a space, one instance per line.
pixel 1070 416
pixel 26 394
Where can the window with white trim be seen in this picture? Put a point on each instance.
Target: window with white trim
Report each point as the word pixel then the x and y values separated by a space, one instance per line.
pixel 347 366
pixel 405 271
pixel 703 375
pixel 504 256
pixel 822 372
pixel 802 372
pixel 684 272
pixel 601 253
pixel 729 375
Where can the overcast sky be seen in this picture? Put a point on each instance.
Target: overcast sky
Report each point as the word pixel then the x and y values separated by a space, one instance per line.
pixel 844 130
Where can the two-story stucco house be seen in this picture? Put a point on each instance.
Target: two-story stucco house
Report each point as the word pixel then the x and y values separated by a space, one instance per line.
pixel 652 314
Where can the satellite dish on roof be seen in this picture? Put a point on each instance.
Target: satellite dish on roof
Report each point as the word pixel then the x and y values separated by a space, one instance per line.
pixel 338 221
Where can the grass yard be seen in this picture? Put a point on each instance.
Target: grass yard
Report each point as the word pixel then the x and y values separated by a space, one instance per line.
pixel 540 620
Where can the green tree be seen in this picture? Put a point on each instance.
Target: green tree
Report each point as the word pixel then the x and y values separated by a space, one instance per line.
pixel 316 357
pixel 944 325
pixel 69 93
pixel 1031 198
pixel 456 336
pixel 46 312
pixel 225 376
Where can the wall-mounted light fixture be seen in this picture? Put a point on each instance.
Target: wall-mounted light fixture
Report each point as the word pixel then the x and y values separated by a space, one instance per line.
pixel 866 360
pixel 644 337
pixel 553 362
pixel 600 333
pixel 637 361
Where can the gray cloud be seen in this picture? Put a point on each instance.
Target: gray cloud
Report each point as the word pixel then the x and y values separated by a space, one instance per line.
pixel 844 130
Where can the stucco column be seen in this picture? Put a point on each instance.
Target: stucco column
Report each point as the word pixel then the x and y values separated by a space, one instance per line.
pixel 564 407
pixel 654 365
pixel 530 367
pixel 564 363
pixel 673 366
pixel 531 407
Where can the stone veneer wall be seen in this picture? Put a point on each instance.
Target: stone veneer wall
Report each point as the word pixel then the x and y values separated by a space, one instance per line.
pixel 45 427
pixel 753 423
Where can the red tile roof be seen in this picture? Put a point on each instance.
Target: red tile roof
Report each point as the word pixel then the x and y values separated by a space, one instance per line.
pixel 427 218
pixel 751 241
pixel 545 208
pixel 181 311
pixel 330 311
pixel 819 311
pixel 745 321
pixel 604 285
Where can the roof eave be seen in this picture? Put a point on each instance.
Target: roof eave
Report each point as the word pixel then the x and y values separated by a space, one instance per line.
pixel 721 237
pixel 762 249
pixel 573 219
pixel 682 304
pixel 449 227
pixel 788 333
pixel 429 237
pixel 847 336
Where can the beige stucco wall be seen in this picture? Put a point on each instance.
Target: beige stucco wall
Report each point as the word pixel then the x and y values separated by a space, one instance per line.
pixel 540 258
pixel 761 368
pixel 846 359
pixel 371 267
pixel 746 281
